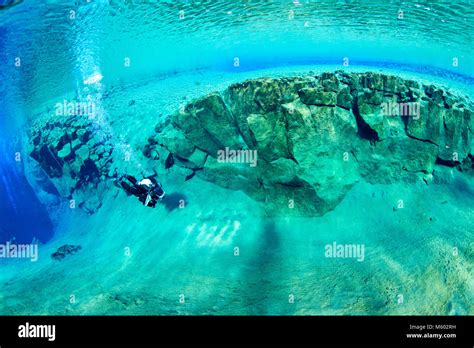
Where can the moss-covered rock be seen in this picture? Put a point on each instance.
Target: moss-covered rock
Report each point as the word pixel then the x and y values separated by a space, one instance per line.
pixel 317 96
pixel 315 137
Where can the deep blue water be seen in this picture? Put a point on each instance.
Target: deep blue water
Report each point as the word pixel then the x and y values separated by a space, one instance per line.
pixel 22 216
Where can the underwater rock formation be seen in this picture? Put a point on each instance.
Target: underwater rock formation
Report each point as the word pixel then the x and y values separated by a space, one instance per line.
pixel 316 136
pixel 65 250
pixel 76 157
pixel 296 143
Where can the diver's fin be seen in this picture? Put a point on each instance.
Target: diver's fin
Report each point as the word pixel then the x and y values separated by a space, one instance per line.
pixel 148 199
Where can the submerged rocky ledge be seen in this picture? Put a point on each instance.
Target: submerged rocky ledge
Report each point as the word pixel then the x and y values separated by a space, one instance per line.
pixel 316 136
pixel 312 137
pixel 76 156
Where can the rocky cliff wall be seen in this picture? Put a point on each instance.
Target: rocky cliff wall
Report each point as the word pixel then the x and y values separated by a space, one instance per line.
pixel 316 136
pixel 299 142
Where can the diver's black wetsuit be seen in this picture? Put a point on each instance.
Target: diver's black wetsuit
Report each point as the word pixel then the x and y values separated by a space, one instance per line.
pixel 131 186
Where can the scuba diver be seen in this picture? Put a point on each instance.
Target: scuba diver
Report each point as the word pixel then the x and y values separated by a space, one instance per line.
pixel 148 190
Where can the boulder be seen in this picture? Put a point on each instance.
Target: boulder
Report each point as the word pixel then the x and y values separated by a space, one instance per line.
pixel 315 137
pixel 64 251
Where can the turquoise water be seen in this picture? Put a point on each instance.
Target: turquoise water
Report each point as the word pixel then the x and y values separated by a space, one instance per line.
pixel 140 61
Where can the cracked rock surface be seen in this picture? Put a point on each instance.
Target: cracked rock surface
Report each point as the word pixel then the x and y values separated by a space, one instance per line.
pixel 76 156
pixel 316 136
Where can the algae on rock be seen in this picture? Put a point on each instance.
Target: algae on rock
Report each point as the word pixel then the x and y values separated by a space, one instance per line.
pixel 316 136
